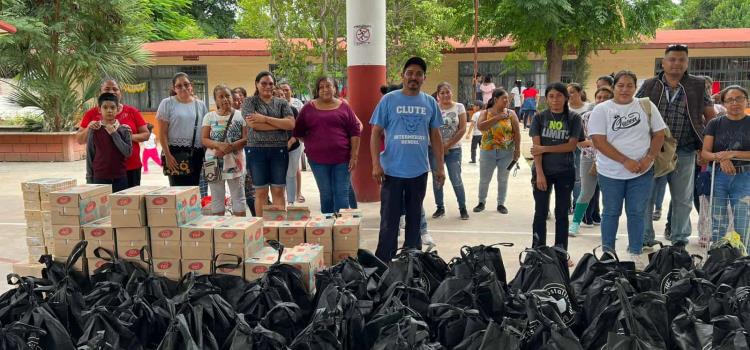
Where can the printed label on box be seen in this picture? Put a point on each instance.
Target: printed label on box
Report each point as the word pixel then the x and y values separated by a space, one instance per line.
pixel 170 268
pixel 256 266
pixel 200 267
pixel 130 249
pixel 67 232
pixel 174 197
pixel 197 250
pixel 99 230
pixel 271 213
pixel 132 198
pixel 165 233
pixel 346 234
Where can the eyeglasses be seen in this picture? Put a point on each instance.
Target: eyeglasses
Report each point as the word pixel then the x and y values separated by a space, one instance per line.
pixel 182 86
pixel 739 100
pixel 265 83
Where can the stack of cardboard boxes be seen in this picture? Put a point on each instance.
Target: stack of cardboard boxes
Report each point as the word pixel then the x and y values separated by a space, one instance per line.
pixel 71 209
pixel 39 220
pixel 167 209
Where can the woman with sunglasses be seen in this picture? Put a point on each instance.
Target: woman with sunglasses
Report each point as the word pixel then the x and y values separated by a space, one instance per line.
pixel 180 117
pixel 268 119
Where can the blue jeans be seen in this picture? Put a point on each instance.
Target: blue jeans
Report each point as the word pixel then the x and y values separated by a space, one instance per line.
pixel 453 163
pixel 681 186
pixel 634 192
pixel 660 188
pixel 488 161
pixel 268 166
pixel 735 191
pixel 334 181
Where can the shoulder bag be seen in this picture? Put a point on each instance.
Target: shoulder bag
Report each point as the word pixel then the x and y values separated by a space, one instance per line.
pixel 211 168
pixel 183 156
pixel 666 161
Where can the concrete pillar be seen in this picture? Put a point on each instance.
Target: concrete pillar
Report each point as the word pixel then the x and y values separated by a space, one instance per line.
pixel 365 32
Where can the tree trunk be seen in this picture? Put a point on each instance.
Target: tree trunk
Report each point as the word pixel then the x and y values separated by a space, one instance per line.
pixel 55 37
pixel 581 73
pixel 554 61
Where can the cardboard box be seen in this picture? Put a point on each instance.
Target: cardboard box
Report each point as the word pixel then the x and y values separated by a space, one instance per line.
pixel 199 230
pixel 271 230
pixel 308 258
pixel 164 233
pixel 256 266
pixel 47 184
pixel 81 265
pixel 139 262
pixel 346 234
pixel 128 207
pixel 327 258
pixel 93 244
pixel 35 252
pixel 31 196
pixel 174 197
pixel 237 249
pixel 297 213
pixel 76 197
pixel 64 247
pixel 34 216
pixel 34 241
pixel 35 231
pixel 59 217
pixel 169 268
pixel 99 230
pixel 130 249
pixel 45 205
pixel 342 255
pixel 232 267
pixel 166 249
pixel 28 269
pixel 67 232
pixel 197 250
pixel 94 263
pixel 32 205
pixel 320 232
pixel 132 233
pixel 292 233
pixel 200 267
pixel 246 231
pixel 271 213
pixel 350 213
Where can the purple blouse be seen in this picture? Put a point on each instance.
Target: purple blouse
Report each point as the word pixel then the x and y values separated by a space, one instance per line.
pixel 327 133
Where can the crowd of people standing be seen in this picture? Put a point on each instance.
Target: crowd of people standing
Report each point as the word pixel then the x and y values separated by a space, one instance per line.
pixel 581 150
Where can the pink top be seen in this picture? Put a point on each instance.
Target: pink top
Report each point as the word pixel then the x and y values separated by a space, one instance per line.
pixel 327 134
pixel 486 91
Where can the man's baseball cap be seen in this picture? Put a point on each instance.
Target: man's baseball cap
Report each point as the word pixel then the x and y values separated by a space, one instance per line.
pixel 415 60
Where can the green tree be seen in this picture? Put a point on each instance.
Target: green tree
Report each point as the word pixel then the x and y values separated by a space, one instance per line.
pixel 254 19
pixel 215 17
pixel 705 14
pixel 62 50
pixel 554 27
pixel 416 28
pixel 169 20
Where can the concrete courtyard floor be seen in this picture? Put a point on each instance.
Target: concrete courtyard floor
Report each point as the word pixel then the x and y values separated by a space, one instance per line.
pixel 449 232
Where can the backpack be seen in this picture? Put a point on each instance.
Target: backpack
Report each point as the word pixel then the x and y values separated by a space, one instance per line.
pixel 666 161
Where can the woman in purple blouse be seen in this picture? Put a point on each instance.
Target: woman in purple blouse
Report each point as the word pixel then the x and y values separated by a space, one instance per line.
pixel 330 131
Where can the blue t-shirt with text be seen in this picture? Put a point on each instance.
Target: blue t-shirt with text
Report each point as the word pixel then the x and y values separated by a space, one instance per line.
pixel 407 121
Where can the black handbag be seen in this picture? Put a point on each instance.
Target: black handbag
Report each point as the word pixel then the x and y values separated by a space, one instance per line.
pixel 183 155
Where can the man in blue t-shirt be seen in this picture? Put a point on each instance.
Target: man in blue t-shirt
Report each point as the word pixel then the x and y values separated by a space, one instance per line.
pixel 407 119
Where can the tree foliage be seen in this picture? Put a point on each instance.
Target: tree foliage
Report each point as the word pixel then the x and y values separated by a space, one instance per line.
pixel 62 50
pixel 215 17
pixel 254 19
pixel 705 14
pixel 555 27
pixel 169 20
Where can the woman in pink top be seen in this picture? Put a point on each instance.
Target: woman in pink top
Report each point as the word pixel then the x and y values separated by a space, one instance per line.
pixel 487 87
pixel 331 133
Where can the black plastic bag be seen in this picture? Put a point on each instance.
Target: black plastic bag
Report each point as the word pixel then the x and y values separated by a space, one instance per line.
pixel 720 256
pixel 406 334
pixel 635 327
pixel 178 336
pixel 450 325
pixel 414 268
pixel 18 301
pixel 284 319
pixel 477 256
pixel 476 289
pixel 320 334
pixel 693 290
pixel 112 332
pixel 114 269
pixel 400 294
pixel 55 336
pixel 230 287
pixel 507 335
pixel 737 274
pixel 590 267
pixel 19 336
pixel 545 268
pixel 546 329
pixel 148 325
pixel 107 294
pixel 244 337
pixel 602 293
pixel 667 262
pixel 740 305
pixel 151 288
pixel 728 334
pixel 57 271
pixel 690 332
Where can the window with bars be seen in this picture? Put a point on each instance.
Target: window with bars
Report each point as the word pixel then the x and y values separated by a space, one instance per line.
pixel 537 73
pixel 158 83
pixel 724 70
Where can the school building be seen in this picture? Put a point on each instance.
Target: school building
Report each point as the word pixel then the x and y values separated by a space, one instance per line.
pixel 723 54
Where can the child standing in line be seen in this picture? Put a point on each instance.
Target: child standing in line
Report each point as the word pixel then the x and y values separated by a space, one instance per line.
pixel 109 146
pixel 149 149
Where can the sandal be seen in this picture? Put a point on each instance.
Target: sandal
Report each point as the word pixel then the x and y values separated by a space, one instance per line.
pixel 300 199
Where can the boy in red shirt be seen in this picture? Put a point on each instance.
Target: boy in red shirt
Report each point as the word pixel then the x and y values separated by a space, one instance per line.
pixel 109 146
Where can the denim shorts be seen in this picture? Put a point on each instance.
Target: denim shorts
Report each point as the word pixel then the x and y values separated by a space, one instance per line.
pixel 267 165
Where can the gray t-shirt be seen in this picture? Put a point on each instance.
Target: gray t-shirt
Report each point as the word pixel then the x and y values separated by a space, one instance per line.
pixel 181 118
pixel 450 122
pixel 278 108
pixel 557 129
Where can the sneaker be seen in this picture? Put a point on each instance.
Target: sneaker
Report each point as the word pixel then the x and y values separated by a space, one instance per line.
pixel 479 207
pixel 502 209
pixel 472 162
pixel 668 233
pixel 464 214
pixel 588 222
pixel 656 215
pixel 438 213
pixel 428 241
pixel 638 260
pixel 573 229
pixel 597 222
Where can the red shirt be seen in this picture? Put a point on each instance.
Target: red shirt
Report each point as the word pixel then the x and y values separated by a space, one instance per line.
pixel 129 116
pixel 530 93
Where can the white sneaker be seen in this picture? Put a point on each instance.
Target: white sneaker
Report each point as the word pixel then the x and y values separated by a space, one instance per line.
pixel 428 241
pixel 639 261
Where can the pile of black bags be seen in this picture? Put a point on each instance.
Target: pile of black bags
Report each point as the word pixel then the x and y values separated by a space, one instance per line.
pixel 415 302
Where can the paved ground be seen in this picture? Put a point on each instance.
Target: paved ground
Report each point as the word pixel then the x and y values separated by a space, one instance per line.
pixel 449 232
